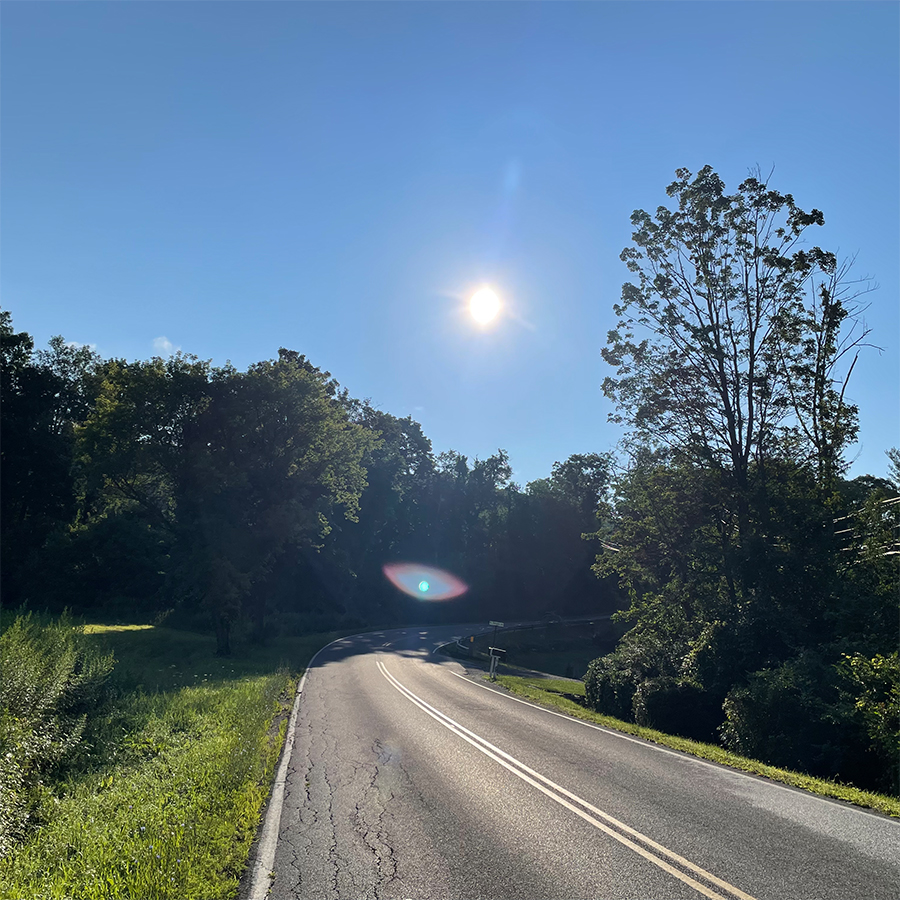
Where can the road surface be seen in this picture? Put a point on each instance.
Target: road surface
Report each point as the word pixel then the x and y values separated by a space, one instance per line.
pixel 408 779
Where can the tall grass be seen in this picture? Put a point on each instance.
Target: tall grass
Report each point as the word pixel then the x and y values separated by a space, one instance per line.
pixel 173 816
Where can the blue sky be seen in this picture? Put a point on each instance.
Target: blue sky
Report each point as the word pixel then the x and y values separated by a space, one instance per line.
pixel 228 178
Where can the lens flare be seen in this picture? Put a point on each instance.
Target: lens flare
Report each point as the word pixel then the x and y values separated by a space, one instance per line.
pixel 424 582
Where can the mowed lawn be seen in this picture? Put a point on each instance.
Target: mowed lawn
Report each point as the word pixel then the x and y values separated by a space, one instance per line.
pixel 166 801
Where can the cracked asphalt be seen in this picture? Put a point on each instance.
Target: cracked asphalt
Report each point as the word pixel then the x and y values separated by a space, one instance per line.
pixel 383 800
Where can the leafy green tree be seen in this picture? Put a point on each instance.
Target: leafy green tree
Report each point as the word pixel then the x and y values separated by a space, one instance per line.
pixel 552 522
pixel 736 343
pixel 733 352
pixel 393 522
pixel 43 396
pixel 130 459
pixel 583 479
pixel 132 447
pixel 271 459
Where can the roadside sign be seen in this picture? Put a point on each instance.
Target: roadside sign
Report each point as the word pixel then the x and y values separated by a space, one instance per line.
pixel 496 624
pixel 496 655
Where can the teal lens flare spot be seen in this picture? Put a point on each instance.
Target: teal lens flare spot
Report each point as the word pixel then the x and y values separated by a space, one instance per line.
pixel 428 583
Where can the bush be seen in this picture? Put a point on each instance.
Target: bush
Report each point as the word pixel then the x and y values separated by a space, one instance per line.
pixel 609 689
pixel 874 689
pixel 50 682
pixel 676 706
pixel 786 716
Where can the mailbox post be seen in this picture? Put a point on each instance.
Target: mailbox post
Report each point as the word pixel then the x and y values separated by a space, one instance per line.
pixel 496 655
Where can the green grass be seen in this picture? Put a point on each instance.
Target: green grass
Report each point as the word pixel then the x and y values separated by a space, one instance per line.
pixel 549 693
pixel 171 800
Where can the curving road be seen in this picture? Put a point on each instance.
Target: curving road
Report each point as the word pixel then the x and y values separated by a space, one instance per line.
pixel 408 779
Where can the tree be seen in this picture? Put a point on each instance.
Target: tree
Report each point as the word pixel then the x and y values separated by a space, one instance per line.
pixel 270 461
pixel 132 446
pixel 393 522
pixel 583 479
pixel 736 343
pixel 732 355
pixel 749 564
pixel 893 456
pixel 43 396
pixel 130 458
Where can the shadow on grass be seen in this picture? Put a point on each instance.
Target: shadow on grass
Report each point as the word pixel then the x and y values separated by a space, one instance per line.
pixel 157 659
pixel 160 659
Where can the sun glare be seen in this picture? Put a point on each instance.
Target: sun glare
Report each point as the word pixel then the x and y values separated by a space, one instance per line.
pixel 484 305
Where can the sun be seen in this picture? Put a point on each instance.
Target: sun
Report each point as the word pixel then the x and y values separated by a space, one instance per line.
pixel 484 305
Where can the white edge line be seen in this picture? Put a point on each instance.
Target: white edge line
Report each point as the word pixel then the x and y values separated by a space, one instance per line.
pixel 477 741
pixel 687 757
pixel 260 882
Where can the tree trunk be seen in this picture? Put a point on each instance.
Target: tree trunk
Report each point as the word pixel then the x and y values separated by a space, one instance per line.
pixel 223 637
pixel 259 619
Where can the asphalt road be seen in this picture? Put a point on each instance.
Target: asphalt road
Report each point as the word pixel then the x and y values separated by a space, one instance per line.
pixel 409 780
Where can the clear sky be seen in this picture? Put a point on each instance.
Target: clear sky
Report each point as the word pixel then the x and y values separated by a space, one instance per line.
pixel 338 178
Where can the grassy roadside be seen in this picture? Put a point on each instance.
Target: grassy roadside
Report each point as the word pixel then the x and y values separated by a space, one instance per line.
pixel 168 802
pixel 551 693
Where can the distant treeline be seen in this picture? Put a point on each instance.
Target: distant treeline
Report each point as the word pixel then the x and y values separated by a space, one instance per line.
pixel 265 498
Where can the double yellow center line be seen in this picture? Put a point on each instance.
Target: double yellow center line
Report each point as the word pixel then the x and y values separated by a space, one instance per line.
pixel 699 879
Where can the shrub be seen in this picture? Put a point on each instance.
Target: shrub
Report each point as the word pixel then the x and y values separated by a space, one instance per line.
pixel 786 716
pixel 874 689
pixel 676 706
pixel 608 688
pixel 50 682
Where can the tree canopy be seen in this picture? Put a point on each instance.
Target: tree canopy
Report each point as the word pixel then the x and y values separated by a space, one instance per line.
pixel 736 342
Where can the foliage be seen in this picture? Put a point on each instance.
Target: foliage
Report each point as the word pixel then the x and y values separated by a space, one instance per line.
pixel 782 715
pixel 265 499
pixel 730 345
pixel 42 397
pixel 750 565
pixel 609 687
pixel 874 687
pixel 51 681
